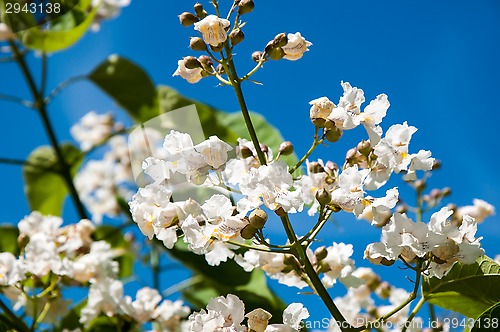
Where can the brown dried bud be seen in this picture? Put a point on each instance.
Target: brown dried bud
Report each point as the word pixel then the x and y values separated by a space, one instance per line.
pixel 333 134
pixel 315 167
pixel 197 44
pixel 187 19
pixel 364 147
pixel 276 53
pixel 236 36
pixel 258 218
pixel 217 48
pixel 206 61
pixel 257 56
pixel 200 12
pixel 321 253
pixel 245 7
pixel 248 232
pixel 323 196
pixel 436 165
pixel 190 62
pixel 246 152
pixel 280 40
pixel 286 148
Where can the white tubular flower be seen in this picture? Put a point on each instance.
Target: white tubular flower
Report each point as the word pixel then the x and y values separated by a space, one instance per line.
pixel 41 256
pixel 36 223
pixel 296 46
pixel 168 314
pixel 97 265
pixel 420 161
pixel 320 110
pixel 392 150
pixel 479 211
pixel 378 210
pixel 270 184
pixel 143 308
pixel 191 75
pixel 350 192
pixel 223 314
pixel 293 316
pixel 348 108
pixel 339 265
pixel 213 29
pixel 11 269
pixel 214 151
pixel 105 296
pixel 373 115
pixel 5 32
pixel 74 237
pixel 93 128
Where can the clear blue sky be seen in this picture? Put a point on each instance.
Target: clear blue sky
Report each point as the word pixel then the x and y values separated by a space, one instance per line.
pixel 438 61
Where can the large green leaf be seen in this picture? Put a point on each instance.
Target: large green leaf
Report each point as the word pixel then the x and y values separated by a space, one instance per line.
pixel 114 236
pixel 45 188
pixel 467 289
pixel 128 85
pixel 63 33
pixel 227 278
pixel 489 321
pixel 8 239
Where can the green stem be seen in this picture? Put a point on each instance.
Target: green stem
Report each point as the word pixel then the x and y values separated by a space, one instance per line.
pixel 236 83
pixel 246 246
pixel 419 305
pixel 17 100
pixel 58 89
pixel 308 153
pixel 320 289
pixel 432 314
pixel 16 321
pixel 42 110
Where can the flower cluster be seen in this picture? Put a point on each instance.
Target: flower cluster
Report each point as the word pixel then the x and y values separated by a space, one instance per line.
pixel 54 256
pixel 440 241
pixel 228 313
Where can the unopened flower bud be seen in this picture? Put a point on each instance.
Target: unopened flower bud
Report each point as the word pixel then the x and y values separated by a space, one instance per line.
pixel 420 185
pixel 205 61
pixel 187 19
pixel 315 167
pixel 22 241
pixel 236 36
pixel 320 110
pixel 364 147
pixel 286 148
pixel 446 191
pixel 436 165
pixel 217 48
pixel 384 290
pixel 197 44
pixel 245 6
pixel 333 134
pixel 321 253
pixel 323 196
pixel 200 12
pixel 280 40
pixel 190 62
pixel 276 53
pixel 290 260
pixel 248 232
pixel 402 208
pixel 264 148
pixel 220 69
pixel 258 218
pixel 257 56
pixel 246 152
pixel 258 320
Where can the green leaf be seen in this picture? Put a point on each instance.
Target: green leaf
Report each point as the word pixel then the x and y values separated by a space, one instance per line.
pixel 65 31
pixel 267 134
pixel 467 289
pixel 45 188
pixel 227 278
pixel 128 85
pixel 115 238
pixel 489 320
pixel 8 239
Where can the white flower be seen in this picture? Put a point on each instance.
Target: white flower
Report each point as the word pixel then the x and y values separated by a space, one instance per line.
pixel 339 263
pixel 258 319
pixel 392 150
pixel 320 110
pixel 5 32
pixel 191 75
pixel 11 270
pixel 293 316
pixel 296 46
pixel 213 29
pixel 223 314
pixel 36 223
pixel 107 9
pixel 146 301
pixel 73 237
pixel 105 296
pixel 93 128
pixel 420 161
pixel 97 265
pixel 348 108
pixel 479 211
pixel 378 210
pixel 214 151
pixel 168 314
pixel 350 192
pixel 41 256
pixel 270 184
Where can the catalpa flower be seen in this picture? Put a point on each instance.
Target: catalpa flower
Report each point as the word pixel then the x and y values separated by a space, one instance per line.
pixel 191 75
pixel 213 29
pixel 296 46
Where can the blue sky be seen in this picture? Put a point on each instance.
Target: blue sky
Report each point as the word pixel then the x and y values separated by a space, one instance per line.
pixel 437 61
